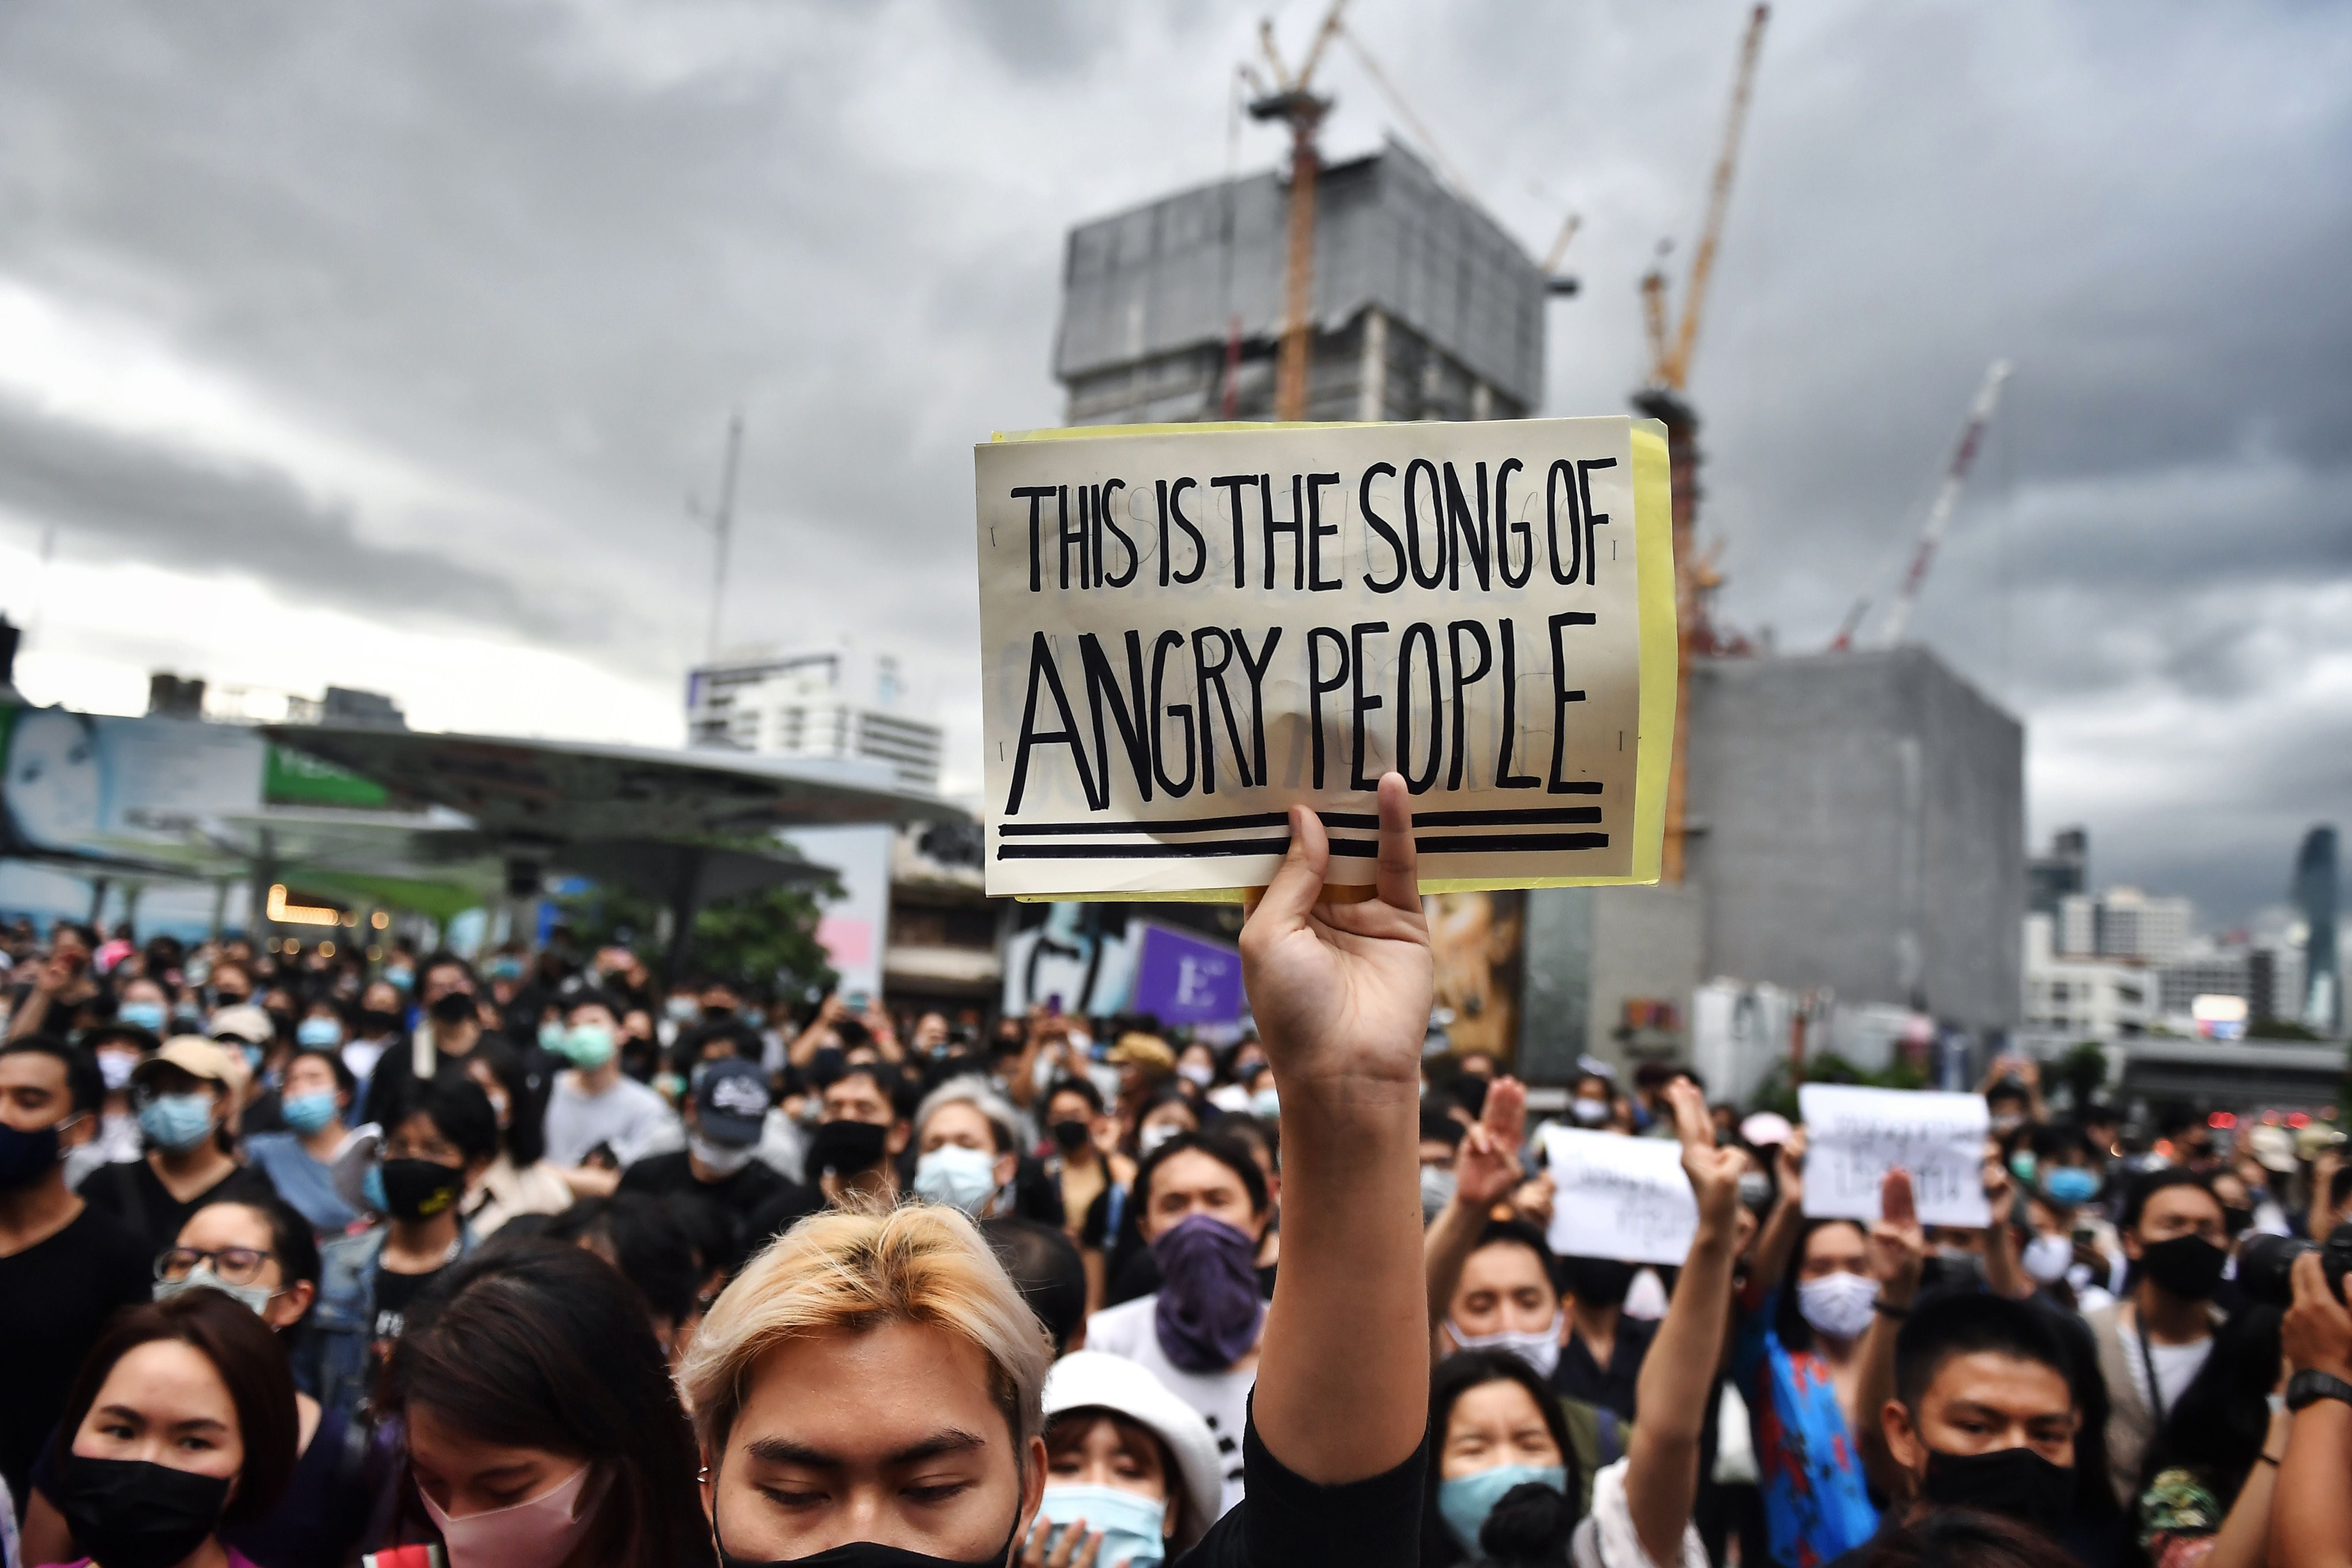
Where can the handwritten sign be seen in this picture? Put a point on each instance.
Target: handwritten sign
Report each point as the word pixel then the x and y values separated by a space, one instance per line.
pixel 1855 1136
pixel 1187 629
pixel 1626 1198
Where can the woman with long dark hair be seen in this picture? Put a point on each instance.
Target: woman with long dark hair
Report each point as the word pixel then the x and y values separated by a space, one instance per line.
pixel 181 1423
pixel 541 1428
pixel 2207 1480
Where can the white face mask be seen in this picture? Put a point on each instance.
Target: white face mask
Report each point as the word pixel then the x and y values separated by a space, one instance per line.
pixel 1150 1138
pixel 539 1533
pixel 201 1278
pixel 1837 1304
pixel 1540 1350
pixel 2047 1258
pixel 957 1176
pixel 719 1158
pixel 1588 1112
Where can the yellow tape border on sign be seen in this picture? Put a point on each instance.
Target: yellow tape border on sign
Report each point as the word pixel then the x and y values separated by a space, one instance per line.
pixel 1661 641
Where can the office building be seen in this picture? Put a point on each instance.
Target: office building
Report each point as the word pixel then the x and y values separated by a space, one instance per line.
pixel 830 704
pixel 2062 870
pixel 2124 922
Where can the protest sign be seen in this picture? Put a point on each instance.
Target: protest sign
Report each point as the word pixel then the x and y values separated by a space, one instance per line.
pixel 1626 1198
pixel 1187 629
pixel 1855 1136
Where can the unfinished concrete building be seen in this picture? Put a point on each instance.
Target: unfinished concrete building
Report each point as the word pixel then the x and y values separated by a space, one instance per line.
pixel 1424 308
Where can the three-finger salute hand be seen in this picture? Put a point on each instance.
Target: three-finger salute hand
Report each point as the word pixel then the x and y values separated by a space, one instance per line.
pixel 1714 1173
pixel 1341 991
pixel 1486 1166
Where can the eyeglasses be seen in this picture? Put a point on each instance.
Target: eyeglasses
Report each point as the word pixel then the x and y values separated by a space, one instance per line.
pixel 235 1265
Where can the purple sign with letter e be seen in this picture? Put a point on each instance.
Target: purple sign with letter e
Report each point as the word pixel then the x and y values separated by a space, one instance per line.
pixel 1181 978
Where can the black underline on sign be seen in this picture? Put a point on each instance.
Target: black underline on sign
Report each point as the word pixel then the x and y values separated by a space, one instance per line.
pixel 1480 844
pixel 1178 825
pixel 1345 819
pixel 1199 847
pixel 1361 848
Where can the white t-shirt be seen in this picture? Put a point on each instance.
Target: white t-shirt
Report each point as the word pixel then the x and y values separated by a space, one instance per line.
pixel 2176 1367
pixel 629 1117
pixel 1221 1397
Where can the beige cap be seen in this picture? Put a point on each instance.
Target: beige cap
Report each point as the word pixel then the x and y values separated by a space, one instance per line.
pixel 247 1022
pixel 198 1057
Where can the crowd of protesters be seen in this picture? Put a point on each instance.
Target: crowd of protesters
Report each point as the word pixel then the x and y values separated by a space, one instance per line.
pixel 417 1263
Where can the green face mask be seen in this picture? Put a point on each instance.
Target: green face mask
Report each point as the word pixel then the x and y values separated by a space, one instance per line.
pixel 2020 1165
pixel 588 1045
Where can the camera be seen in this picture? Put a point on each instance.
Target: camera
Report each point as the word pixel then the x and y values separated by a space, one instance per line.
pixel 2265 1264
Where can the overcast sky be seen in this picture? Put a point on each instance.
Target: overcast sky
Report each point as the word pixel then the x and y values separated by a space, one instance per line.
pixel 381 344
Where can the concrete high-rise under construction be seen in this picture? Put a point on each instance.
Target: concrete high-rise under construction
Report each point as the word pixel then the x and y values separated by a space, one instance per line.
pixel 1855 821
pixel 1424 308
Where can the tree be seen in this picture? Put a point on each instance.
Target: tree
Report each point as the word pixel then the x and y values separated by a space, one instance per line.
pixel 765 939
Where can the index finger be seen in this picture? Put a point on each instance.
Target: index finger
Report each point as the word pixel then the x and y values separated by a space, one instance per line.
pixel 1691 1123
pixel 1895 1203
pixel 1504 1117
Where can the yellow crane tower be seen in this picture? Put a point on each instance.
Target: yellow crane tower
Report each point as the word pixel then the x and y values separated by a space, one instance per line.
pixel 1671 348
pixel 1292 99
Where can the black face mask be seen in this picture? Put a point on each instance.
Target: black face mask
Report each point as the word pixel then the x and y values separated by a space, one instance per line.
pixel 421 1189
pixel 1070 1136
pixel 128 1513
pixel 376 1021
pixel 2189 1266
pixel 2016 1483
pixel 845 1149
pixel 1597 1282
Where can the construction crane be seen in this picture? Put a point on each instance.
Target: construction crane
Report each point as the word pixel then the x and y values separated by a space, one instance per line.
pixel 1947 496
pixel 1294 101
pixel 1671 347
pixel 1670 353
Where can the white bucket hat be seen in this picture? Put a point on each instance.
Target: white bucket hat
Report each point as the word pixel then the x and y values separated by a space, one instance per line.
pixel 1097 1379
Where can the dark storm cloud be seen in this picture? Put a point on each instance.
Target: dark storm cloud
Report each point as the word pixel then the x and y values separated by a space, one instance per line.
pixel 115 498
pixel 539 248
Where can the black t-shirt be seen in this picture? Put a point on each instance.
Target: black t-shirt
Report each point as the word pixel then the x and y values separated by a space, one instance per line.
pixel 1581 1377
pixel 131 1191
pixel 56 1297
pixel 738 1198
pixel 794 1204
pixel 1287 1519
pixel 394 1292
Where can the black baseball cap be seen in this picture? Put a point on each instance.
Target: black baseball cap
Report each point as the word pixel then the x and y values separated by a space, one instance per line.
pixel 731 1103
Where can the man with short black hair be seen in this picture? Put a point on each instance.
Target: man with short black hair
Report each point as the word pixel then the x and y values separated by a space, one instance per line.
pixel 594 1110
pixel 2152 1343
pixel 724 1117
pixel 65 1266
pixel 1984 1417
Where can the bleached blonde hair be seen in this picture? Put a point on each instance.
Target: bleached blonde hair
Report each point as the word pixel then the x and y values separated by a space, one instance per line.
pixel 844 1273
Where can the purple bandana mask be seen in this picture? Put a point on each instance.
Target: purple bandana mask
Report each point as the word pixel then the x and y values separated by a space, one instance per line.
pixel 1209 1309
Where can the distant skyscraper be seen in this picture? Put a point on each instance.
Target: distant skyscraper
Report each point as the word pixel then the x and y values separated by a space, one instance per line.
pixel 2315 900
pixel 2065 869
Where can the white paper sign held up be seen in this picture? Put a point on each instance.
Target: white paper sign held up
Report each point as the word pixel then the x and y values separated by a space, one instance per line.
pixel 1626 1198
pixel 1855 1136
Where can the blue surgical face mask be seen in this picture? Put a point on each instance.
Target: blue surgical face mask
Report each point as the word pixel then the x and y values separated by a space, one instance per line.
pixel 550 1036
pixel 147 1016
pixel 960 1177
pixel 306 1113
pixel 1265 1105
pixel 318 1031
pixel 1130 1523
pixel 177 1122
pixel 2069 1184
pixel 1467 1500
